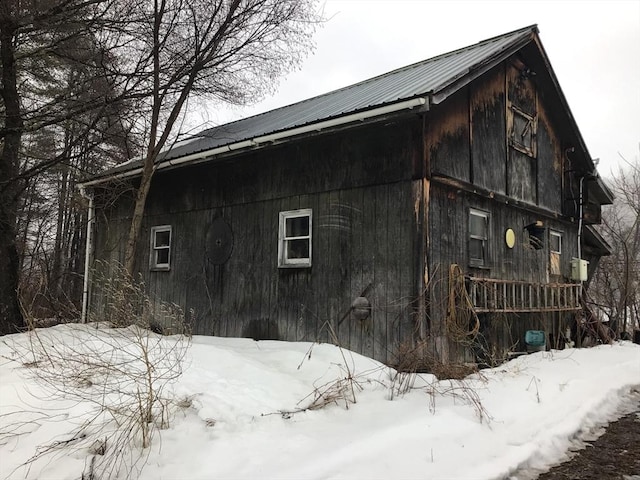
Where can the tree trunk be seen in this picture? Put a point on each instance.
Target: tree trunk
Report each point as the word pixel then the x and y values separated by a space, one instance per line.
pixel 138 213
pixel 11 319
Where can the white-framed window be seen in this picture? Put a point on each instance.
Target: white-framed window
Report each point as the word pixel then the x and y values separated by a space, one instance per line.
pixel 555 242
pixel 294 238
pixel 160 256
pixel 555 251
pixel 478 238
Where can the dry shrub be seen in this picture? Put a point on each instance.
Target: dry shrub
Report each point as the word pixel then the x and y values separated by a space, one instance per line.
pixel 125 302
pixel 459 390
pixel 119 372
pixel 455 371
pixel 451 379
pixel 415 358
pixel 342 389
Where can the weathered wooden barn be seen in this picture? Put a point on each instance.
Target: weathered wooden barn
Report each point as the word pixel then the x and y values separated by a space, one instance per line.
pixel 446 205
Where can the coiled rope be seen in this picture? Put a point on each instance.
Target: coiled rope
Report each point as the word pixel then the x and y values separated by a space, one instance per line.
pixel 463 324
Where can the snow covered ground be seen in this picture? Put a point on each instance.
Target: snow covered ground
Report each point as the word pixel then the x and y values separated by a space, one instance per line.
pixel 241 414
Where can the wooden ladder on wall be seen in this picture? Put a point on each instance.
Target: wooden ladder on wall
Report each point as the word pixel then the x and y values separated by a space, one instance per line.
pixel 507 296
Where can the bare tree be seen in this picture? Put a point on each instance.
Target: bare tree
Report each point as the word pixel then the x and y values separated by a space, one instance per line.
pixel 231 51
pixel 73 71
pixel 616 289
pixel 10 316
pixel 55 88
pixel 118 369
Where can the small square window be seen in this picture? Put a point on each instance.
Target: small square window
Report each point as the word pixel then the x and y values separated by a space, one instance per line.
pixel 478 238
pixel 160 254
pixel 294 238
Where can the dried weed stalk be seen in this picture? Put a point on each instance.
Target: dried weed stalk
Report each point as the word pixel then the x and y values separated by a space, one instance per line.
pixel 415 358
pixel 459 390
pixel 343 389
pixel 118 373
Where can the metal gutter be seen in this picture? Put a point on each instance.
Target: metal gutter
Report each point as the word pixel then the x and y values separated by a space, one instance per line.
pixel 270 138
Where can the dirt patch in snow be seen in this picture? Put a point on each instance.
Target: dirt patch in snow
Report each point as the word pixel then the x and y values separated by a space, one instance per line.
pixel 614 455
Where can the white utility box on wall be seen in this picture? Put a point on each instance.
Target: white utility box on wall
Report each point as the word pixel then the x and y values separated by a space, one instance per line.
pixel 579 269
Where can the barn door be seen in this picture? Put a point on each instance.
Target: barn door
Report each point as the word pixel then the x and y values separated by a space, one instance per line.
pixel 522 127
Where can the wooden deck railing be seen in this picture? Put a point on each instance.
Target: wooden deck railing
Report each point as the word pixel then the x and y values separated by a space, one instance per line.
pixel 491 295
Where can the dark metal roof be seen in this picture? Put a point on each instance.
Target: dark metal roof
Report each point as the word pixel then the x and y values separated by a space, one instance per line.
pixel 425 78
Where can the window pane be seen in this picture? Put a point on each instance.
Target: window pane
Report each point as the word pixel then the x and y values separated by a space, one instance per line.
pixel 298 249
pixel 555 243
pixel 294 238
pixel 476 250
pixel 297 226
pixel 162 238
pixel 477 225
pixel 162 256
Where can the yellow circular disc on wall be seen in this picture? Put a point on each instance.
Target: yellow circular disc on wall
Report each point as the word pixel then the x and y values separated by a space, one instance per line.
pixel 510 238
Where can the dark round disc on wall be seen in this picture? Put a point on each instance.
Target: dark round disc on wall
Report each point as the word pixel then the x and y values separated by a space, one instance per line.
pixel 219 241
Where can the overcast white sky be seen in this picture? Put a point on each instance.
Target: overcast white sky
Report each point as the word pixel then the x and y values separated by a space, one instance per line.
pixel 594 48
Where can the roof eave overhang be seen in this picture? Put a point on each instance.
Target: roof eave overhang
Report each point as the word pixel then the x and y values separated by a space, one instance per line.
pixel 415 104
pixel 598 244
pixel 602 191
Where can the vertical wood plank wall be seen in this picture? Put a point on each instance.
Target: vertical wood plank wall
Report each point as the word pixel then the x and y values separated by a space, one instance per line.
pixel 467 140
pixel 371 189
pixel 358 184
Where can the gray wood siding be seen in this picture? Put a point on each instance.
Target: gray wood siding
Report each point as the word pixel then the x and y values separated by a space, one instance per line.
pixel 551 161
pixel 467 138
pixel 447 135
pixel 358 185
pixel 488 125
pixel 390 203
pixel 448 227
